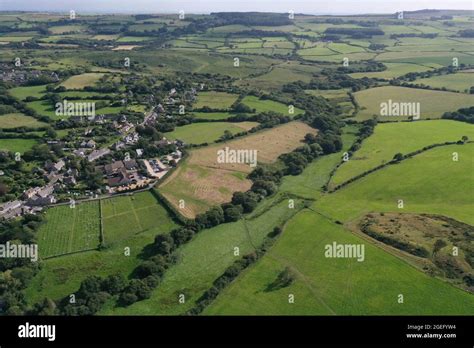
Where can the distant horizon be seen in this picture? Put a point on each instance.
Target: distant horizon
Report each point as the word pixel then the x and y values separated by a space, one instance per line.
pixel 307 7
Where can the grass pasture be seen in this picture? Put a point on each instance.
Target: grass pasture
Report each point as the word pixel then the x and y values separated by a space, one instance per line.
pixel 126 216
pixel 432 103
pixel 266 105
pixel 68 230
pixel 461 81
pixel 207 132
pixel 81 81
pixel 430 182
pixel 202 260
pixel 19 120
pixel 331 286
pixel 215 100
pixel 17 145
pixel 402 137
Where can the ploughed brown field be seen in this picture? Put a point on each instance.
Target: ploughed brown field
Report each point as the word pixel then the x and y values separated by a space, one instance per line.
pixel 202 182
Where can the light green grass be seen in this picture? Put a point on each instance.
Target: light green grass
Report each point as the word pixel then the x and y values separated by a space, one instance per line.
pixel 68 230
pixel 430 182
pixel 432 103
pixel 215 100
pixel 17 145
pixel 404 137
pixel 81 81
pixel 207 132
pixel 460 81
pixel 19 120
pixel 331 286
pixel 21 93
pixel 202 260
pixel 128 215
pixel 266 105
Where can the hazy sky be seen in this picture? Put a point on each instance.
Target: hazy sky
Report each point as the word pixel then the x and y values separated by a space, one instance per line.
pixel 206 6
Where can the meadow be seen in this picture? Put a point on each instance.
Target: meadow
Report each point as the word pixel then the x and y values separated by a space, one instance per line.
pixel 19 120
pixel 81 81
pixel 401 137
pixel 460 81
pixel 17 145
pixel 207 132
pixel 215 100
pixel 331 286
pixel 266 105
pixel 432 103
pixel 430 182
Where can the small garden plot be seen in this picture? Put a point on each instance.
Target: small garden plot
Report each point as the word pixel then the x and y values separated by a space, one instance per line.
pixel 68 230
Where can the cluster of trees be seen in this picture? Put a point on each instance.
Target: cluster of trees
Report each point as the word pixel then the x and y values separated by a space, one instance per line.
pixel 93 292
pixel 422 35
pixel 466 33
pixel 16 273
pixel 412 76
pixel 463 115
pixel 331 79
pixel 369 66
pixel 253 18
pixel 408 247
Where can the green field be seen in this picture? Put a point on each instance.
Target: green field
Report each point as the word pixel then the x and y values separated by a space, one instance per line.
pixel 215 100
pixel 21 93
pixel 460 81
pixel 19 120
pixel 403 137
pixel 81 81
pixel 69 230
pixel 17 145
pixel 126 216
pixel 207 132
pixel 265 105
pixel 331 286
pixel 204 259
pixel 430 182
pixel 432 103
pixel 393 70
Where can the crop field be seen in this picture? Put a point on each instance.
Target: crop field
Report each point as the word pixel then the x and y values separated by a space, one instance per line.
pixel 202 132
pixel 265 105
pixel 391 138
pixel 216 100
pixel 432 103
pixel 68 230
pixel 325 286
pixel 81 81
pixel 126 216
pixel 203 182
